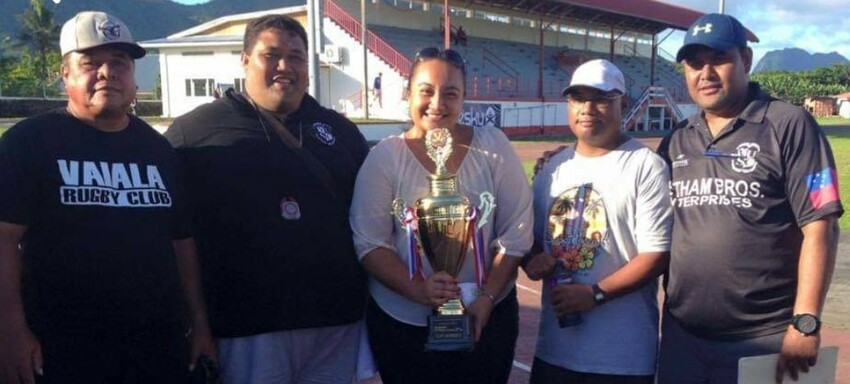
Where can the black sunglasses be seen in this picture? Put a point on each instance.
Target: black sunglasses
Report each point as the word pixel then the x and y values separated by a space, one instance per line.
pixel 450 55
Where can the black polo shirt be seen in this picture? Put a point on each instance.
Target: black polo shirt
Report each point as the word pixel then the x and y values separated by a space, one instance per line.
pixel 739 201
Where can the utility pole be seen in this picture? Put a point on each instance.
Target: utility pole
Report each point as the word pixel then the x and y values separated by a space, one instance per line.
pixel 447 25
pixel 365 96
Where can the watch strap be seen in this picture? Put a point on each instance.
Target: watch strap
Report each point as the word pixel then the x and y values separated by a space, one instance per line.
pixel 599 296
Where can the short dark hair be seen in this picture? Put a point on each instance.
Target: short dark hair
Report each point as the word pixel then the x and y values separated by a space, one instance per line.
pixel 281 22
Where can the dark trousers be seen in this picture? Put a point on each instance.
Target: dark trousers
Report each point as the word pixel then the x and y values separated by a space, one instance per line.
pixel 399 349
pixel 545 373
pixel 155 353
pixel 686 358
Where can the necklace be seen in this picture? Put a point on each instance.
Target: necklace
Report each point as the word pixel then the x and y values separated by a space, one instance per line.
pixel 283 132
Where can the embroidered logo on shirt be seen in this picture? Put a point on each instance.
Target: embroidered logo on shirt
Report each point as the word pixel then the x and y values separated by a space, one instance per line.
pixel 289 209
pixel 680 161
pixel 324 133
pixel 745 162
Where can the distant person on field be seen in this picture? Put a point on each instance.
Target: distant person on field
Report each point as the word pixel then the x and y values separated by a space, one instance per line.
pixel 755 204
pixel 95 239
pixel 376 89
pixel 460 36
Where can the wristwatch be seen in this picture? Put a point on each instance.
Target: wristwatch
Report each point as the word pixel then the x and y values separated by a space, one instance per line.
pixel 806 323
pixel 598 294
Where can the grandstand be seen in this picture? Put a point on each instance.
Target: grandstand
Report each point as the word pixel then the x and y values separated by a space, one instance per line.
pixel 526 50
pixel 520 54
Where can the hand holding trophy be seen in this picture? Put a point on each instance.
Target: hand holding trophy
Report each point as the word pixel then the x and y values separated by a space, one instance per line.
pixel 442 226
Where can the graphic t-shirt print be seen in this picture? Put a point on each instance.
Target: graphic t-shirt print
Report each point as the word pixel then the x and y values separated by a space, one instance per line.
pixel 577 225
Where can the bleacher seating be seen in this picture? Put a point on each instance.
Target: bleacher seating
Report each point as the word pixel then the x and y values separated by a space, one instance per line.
pixel 511 68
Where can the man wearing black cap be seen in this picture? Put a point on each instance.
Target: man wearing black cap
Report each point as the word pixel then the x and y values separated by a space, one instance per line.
pixel 93 237
pixel 755 204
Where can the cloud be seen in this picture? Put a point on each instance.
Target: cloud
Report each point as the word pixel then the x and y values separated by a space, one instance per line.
pixel 817 26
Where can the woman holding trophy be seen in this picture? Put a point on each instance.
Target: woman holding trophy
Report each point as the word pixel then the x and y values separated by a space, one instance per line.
pixel 442 215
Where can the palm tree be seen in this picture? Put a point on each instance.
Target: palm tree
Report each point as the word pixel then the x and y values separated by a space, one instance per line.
pixel 39 33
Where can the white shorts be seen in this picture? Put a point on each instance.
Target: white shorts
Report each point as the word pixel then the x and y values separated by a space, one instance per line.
pixel 312 355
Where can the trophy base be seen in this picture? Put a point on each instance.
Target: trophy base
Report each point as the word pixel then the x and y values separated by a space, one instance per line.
pixel 449 333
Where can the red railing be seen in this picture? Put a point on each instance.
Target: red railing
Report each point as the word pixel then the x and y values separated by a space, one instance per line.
pixel 488 56
pixel 508 88
pixel 374 43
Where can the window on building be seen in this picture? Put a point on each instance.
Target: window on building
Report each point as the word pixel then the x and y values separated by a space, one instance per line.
pixel 239 84
pixel 200 87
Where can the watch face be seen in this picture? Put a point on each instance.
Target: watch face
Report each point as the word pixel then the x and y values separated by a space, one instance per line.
pixel 599 296
pixel 806 324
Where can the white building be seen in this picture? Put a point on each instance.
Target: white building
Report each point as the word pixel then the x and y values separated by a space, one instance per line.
pixel 197 61
pixel 507 86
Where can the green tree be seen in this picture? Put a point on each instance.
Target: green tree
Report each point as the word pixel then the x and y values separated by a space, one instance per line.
pixel 797 86
pixel 41 35
pixel 19 76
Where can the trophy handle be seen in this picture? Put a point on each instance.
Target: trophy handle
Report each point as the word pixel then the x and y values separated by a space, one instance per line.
pixel 486 205
pixel 398 208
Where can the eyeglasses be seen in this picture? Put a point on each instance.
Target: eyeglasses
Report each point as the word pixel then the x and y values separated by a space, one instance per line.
pixel 450 55
pixel 602 101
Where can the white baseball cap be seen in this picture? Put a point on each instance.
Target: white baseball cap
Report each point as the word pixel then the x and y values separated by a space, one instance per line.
pixel 599 74
pixel 91 29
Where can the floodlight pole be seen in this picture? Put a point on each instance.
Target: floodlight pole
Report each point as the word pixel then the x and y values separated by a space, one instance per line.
pixel 722 6
pixel 315 42
pixel 365 95
pixel 447 26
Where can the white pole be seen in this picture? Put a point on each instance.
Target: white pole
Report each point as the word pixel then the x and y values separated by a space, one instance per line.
pixel 363 36
pixel 314 40
pixel 722 6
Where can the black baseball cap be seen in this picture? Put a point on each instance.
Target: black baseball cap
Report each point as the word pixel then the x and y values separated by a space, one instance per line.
pixel 715 30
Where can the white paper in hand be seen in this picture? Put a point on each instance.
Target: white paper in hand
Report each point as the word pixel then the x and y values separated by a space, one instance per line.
pixel 762 369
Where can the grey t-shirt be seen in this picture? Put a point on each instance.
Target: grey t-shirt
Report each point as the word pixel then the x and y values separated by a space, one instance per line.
pixel 739 201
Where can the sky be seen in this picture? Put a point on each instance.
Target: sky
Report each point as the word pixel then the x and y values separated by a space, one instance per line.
pixel 817 26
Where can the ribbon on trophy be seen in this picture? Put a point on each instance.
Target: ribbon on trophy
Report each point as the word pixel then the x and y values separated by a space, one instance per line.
pixel 414 263
pixel 478 245
pixel 475 220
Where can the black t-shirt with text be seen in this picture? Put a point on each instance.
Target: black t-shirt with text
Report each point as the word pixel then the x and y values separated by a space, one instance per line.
pixel 101 210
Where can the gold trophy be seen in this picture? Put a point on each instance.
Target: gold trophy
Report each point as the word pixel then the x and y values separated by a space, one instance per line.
pixel 443 227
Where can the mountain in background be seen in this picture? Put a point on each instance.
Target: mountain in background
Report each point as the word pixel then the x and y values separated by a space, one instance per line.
pixel 148 19
pixel 796 59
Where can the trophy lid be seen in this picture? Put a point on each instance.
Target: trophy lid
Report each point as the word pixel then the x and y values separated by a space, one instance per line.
pixel 438 146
